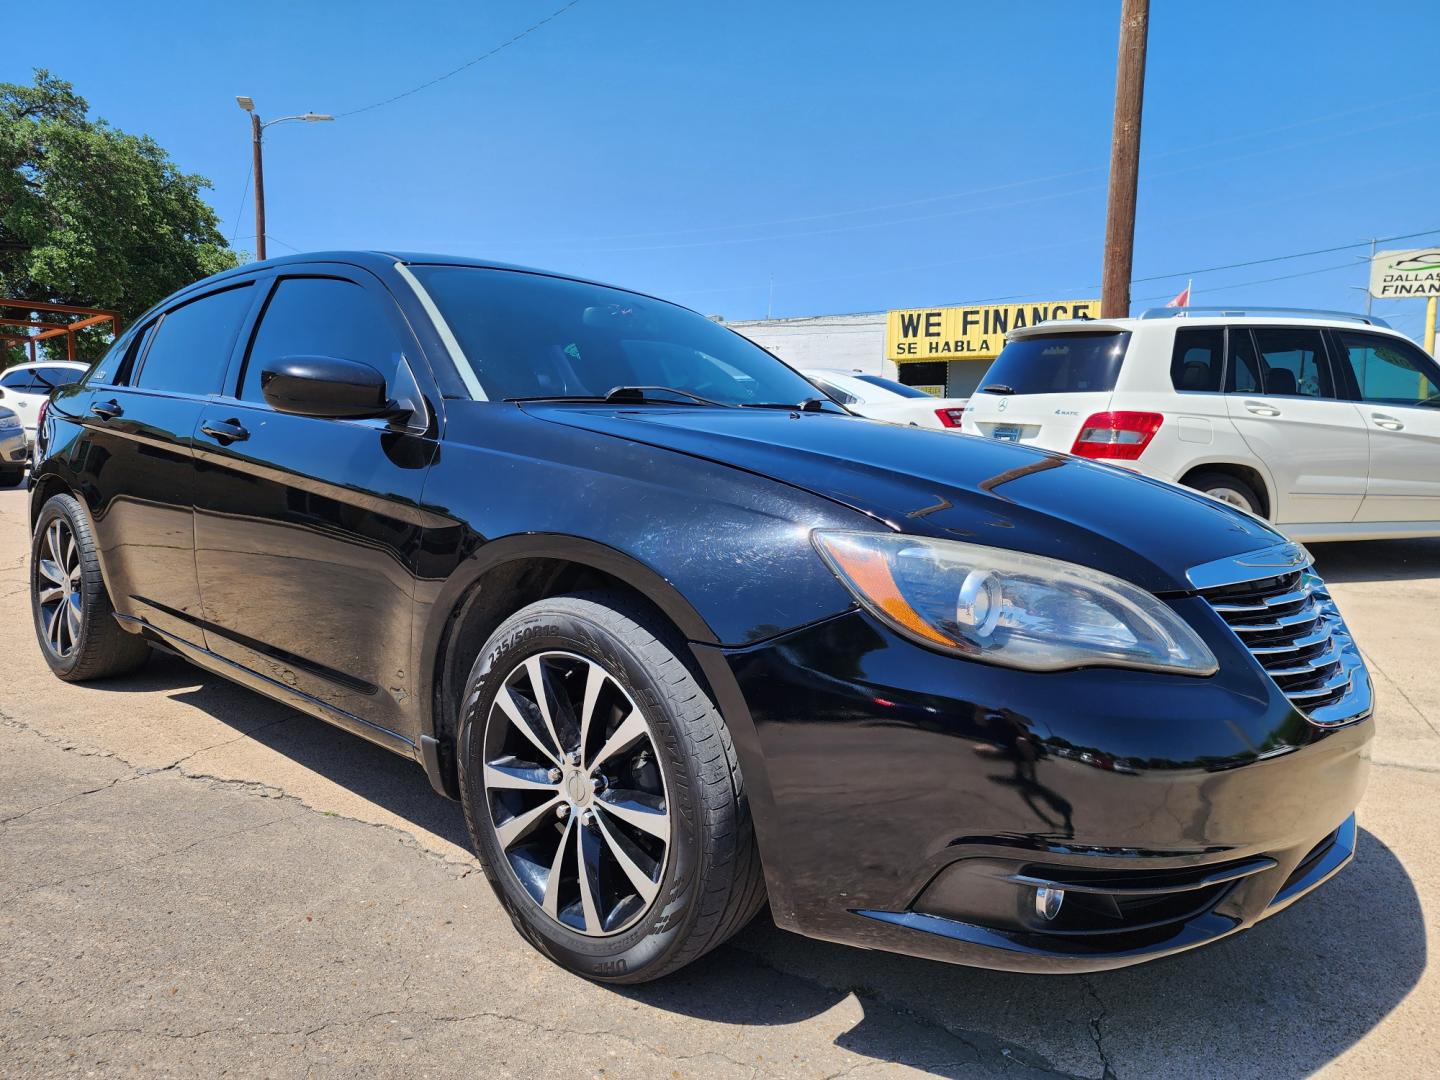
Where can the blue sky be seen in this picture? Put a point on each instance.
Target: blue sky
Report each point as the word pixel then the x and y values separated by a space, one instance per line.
pixel 863 155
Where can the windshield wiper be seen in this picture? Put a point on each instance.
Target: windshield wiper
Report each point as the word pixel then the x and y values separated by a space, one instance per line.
pixel 810 404
pixel 997 388
pixel 629 394
pixel 637 393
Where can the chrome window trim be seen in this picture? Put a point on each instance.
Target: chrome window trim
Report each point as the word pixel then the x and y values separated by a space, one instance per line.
pixel 447 336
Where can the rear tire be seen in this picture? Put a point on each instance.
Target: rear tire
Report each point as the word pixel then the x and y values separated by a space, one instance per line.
pixel 1227 489
pixel 74 619
pixel 602 658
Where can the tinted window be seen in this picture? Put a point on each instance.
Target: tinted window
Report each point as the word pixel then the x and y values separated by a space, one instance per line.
pixel 1059 364
pixel 1292 362
pixel 22 381
pixel 191 347
pixel 893 386
pixel 51 377
pixel 1197 360
pixel 527 335
pixel 1243 374
pixel 321 317
pixel 128 361
pixel 835 392
pixel 1390 372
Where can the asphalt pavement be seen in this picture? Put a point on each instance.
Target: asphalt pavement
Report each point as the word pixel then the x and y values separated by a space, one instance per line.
pixel 196 881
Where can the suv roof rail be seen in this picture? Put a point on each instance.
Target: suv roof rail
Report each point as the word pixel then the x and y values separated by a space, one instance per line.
pixel 1180 313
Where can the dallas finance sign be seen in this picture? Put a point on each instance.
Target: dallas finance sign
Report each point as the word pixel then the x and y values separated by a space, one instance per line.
pixel 970 333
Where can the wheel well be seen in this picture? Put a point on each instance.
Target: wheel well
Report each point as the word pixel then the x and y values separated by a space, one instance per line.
pixel 493 598
pixel 45 487
pixel 1250 476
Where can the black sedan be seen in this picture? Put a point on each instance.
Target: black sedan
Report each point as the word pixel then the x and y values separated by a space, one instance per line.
pixel 683 636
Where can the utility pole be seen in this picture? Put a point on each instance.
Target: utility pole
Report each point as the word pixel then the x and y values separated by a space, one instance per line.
pixel 1124 159
pixel 257 132
pixel 257 129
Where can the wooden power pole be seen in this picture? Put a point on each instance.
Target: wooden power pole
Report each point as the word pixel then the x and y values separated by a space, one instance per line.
pixel 257 133
pixel 1124 159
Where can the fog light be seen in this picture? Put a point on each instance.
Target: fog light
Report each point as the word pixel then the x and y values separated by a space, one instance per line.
pixel 1048 901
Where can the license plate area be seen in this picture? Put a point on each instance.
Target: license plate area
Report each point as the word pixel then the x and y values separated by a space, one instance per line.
pixel 1006 433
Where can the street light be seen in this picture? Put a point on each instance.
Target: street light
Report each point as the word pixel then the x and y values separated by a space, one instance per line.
pixel 257 130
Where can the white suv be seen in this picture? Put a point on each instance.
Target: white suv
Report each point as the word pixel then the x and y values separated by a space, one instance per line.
pixel 24 388
pixel 1325 423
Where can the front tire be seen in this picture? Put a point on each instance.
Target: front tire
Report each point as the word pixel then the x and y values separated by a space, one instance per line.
pixel 74 619
pixel 602 791
pixel 11 477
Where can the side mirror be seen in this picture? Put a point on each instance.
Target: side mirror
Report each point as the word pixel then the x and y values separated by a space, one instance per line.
pixel 326 386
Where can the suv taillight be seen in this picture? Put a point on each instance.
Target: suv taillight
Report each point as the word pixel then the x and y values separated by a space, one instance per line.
pixel 1120 436
pixel 40 417
pixel 950 417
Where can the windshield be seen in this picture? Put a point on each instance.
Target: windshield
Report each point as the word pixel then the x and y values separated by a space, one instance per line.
pixel 893 386
pixel 530 336
pixel 1058 364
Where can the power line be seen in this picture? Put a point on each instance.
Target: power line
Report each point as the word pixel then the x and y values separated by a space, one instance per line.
pixel 1282 258
pixel 1260 281
pixel 244 193
pixel 465 66
pixel 1010 185
pixel 969 210
pixel 1158 277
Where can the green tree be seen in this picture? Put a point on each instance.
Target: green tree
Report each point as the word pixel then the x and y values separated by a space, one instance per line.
pixel 90 215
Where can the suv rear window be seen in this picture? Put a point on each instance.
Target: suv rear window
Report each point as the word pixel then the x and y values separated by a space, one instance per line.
pixel 1198 359
pixel 1058 364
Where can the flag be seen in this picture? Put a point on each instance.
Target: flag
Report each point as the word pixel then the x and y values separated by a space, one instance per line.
pixel 1182 299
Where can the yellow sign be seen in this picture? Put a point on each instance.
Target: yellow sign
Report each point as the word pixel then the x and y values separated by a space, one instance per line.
pixel 969 333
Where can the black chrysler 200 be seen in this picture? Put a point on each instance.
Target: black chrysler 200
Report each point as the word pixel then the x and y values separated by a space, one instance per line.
pixel 683 636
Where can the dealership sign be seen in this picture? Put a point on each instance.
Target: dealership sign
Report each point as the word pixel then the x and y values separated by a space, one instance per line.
pixel 1395 275
pixel 970 333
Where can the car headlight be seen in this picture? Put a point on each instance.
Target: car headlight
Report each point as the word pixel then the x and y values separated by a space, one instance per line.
pixel 7 422
pixel 1008 608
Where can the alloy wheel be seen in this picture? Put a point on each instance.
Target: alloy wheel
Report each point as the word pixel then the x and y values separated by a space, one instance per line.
pixel 1230 496
pixel 58 588
pixel 576 794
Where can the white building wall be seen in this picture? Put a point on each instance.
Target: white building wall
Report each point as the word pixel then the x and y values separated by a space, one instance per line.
pixel 848 342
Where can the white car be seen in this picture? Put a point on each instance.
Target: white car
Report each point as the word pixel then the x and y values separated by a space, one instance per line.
pixel 1324 423
pixel 24 387
pixel 885 399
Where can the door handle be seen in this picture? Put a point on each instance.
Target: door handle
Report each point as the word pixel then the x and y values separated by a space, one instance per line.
pixel 226 431
pixel 1259 408
pixel 1389 423
pixel 107 410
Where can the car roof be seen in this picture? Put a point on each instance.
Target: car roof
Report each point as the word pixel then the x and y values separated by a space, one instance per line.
pixel 380 261
pixel 44 363
pixel 1213 317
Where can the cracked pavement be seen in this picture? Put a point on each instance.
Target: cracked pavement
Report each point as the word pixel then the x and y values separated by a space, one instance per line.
pixel 196 881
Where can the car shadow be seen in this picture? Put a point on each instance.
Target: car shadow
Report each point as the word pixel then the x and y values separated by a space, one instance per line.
pixel 1280 1000
pixel 379 776
pixel 1377 560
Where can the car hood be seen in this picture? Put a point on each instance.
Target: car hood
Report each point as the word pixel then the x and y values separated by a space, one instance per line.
pixel 961 487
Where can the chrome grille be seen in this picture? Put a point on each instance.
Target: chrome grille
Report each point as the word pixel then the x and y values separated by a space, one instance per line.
pixel 1292 627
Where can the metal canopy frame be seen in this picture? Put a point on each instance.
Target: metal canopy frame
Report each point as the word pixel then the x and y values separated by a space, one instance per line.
pixel 37 331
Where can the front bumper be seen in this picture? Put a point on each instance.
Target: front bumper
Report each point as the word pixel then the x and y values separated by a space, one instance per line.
pixel 14 447
pixel 912 802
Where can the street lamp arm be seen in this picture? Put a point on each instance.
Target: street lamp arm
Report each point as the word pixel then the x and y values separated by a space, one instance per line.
pixel 307 117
